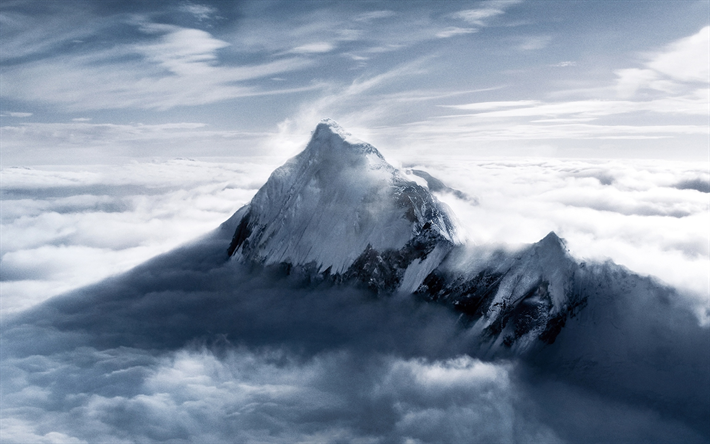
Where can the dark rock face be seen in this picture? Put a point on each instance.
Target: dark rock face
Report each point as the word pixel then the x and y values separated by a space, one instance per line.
pixel 514 300
pixel 240 235
pixel 472 297
pixel 382 272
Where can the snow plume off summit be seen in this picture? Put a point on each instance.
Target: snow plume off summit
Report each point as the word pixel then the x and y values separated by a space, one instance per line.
pixel 340 305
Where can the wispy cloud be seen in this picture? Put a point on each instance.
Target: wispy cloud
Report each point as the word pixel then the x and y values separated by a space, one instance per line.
pixel 179 67
pixel 689 105
pixel 15 114
pixel 201 12
pixel 51 29
pixel 313 48
pixel 374 15
pixel 681 94
pixel 488 10
pixel 454 31
pixel 533 43
pixel 672 69
pixel 83 142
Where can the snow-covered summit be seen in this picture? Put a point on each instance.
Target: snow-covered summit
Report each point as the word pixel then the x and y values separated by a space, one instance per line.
pixel 329 129
pixel 339 202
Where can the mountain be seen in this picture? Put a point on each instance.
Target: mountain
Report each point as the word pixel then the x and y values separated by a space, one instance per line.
pixel 511 299
pixel 339 266
pixel 339 212
pixel 338 208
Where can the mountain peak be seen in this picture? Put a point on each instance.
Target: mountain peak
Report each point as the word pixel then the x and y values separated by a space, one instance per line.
pixel 330 138
pixel 339 204
pixel 330 126
pixel 552 241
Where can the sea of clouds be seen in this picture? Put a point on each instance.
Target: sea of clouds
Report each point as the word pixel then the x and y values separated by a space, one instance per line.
pixel 190 349
pixel 64 227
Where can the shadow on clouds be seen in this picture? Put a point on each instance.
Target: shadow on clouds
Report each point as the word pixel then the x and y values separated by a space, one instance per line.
pixel 699 184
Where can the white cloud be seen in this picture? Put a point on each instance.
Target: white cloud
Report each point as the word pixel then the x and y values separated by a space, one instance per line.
pixel 639 214
pixel 251 397
pixel 670 70
pixel 690 105
pixel 201 12
pixel 180 67
pixel 687 59
pixel 565 64
pixel 570 120
pixel 488 10
pixel 485 106
pixel 313 48
pixel 454 31
pixel 83 142
pixel 534 43
pixel 16 114
pixel 477 16
pixel 630 211
pixel 182 51
pixel 374 15
pixel 68 227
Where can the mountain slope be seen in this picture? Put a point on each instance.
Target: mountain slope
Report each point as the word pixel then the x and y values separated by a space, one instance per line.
pixel 512 300
pixel 339 208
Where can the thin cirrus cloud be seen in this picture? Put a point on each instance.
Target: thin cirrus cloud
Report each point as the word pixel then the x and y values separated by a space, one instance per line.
pixel 16 114
pixel 566 122
pixel 180 66
pixel 678 71
pixel 534 43
pixel 374 15
pixel 454 31
pixel 49 32
pixel 59 143
pixel 201 12
pixel 314 48
pixel 693 105
pixel 487 11
pixel 573 120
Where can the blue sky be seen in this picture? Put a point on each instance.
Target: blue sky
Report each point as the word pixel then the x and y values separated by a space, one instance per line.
pixel 106 81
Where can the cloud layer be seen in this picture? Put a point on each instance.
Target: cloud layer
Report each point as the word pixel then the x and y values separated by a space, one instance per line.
pixel 648 216
pixel 64 227
pixel 191 347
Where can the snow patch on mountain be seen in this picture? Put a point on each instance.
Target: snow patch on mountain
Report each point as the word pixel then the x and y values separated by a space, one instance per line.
pixel 338 202
pixel 511 298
